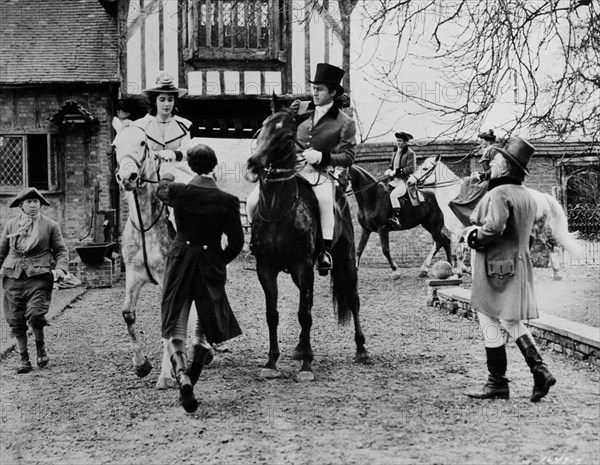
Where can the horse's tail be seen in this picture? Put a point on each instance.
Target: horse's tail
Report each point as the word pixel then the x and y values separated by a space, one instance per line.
pixel 559 226
pixel 344 275
pixel 344 283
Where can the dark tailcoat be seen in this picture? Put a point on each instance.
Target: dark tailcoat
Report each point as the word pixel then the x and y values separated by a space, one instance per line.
pixel 196 265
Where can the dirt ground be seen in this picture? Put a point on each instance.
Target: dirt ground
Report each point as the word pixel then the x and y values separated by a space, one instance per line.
pixel 88 407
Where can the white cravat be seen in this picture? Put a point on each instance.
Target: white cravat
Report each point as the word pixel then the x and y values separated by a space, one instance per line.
pixel 320 112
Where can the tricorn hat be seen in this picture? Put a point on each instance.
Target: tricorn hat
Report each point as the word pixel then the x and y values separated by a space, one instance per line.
pixel 489 136
pixel 164 85
pixel 28 193
pixel 329 74
pixel 405 136
pixel 517 151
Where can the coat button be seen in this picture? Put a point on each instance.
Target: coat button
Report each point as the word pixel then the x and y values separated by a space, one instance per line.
pixel 187 242
pixel 205 247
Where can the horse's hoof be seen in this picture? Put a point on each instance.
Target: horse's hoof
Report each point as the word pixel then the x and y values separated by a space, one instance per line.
pixel 165 383
pixel 269 373
pixel 303 376
pixel 396 275
pixel 422 274
pixel 143 369
pixel 297 355
pixel 363 358
pixel 558 277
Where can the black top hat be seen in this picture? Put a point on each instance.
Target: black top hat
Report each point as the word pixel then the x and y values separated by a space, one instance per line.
pixel 28 193
pixel 489 136
pixel 164 85
pixel 518 152
pixel 329 74
pixel 405 136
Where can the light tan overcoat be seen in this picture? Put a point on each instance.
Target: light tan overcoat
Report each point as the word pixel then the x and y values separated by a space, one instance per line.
pixel 503 272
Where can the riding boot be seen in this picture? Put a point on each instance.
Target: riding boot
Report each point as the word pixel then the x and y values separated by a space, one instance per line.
pixel 324 260
pixel 40 346
pixel 543 380
pixel 24 365
pixel 199 356
pixel 497 384
pixel 394 221
pixel 180 366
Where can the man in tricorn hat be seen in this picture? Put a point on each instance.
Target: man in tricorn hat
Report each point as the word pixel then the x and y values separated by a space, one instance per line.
pixel 326 138
pixel 31 246
pixel 404 163
pixel 503 290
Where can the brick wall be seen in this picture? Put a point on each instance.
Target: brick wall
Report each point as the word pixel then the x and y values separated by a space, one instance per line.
pixel 410 248
pixel 81 153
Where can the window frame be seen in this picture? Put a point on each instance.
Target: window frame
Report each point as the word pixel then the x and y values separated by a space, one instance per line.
pixel 52 170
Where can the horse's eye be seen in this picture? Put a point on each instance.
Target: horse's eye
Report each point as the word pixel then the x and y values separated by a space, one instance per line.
pixel 143 143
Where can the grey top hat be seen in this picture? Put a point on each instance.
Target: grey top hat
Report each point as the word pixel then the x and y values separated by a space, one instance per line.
pixel 164 85
pixel 28 193
pixel 517 151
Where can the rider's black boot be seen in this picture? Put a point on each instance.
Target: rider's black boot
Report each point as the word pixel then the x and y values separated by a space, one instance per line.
pixel 40 347
pixel 496 386
pixel 543 380
pixel 324 260
pixel 394 221
pixel 180 367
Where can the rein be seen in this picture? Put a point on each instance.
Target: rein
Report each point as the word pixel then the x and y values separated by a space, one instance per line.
pixel 429 172
pixel 140 165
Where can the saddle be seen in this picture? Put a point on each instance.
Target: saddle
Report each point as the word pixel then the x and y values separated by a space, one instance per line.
pixel 410 191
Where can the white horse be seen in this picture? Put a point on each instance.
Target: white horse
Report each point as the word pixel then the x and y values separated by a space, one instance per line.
pixel 147 235
pixel 550 227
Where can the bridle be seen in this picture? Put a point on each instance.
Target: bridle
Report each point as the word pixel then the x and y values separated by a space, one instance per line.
pixel 420 180
pixel 139 181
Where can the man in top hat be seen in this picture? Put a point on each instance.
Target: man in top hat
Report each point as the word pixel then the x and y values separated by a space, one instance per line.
pixel 31 246
pixel 326 138
pixel 503 290
pixel 404 163
pixel 168 134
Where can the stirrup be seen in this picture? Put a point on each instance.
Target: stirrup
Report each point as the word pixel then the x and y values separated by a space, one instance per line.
pixel 324 263
pixel 394 222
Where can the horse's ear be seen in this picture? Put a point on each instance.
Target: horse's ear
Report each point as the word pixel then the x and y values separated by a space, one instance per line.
pixel 276 104
pixel 295 106
pixel 117 124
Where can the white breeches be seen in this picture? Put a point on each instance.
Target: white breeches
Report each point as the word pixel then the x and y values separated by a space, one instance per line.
pixel 324 192
pixel 181 328
pixel 398 192
pixel 492 329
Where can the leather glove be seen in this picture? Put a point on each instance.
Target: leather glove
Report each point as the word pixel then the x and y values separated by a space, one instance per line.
pixel 389 172
pixel 166 155
pixel 312 156
pixel 59 274
pixel 472 240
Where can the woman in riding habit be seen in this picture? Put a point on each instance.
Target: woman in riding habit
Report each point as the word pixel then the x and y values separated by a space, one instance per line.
pixel 474 188
pixel 168 133
pixel 503 290
pixel 326 138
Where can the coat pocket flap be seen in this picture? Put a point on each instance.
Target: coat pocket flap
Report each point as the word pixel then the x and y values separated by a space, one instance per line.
pixel 41 261
pixel 501 267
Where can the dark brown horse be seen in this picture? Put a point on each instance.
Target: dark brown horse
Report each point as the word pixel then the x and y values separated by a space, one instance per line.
pixel 286 237
pixel 374 210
